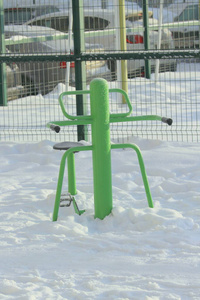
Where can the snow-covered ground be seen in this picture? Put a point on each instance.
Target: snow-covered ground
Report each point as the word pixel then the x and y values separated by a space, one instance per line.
pixel 136 252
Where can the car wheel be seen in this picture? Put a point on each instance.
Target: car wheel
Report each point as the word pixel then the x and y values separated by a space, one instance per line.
pixel 29 86
pixel 137 73
pixel 173 67
pixel 112 66
pixel 170 67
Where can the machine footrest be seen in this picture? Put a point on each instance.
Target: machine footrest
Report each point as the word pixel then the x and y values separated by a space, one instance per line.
pixel 67 199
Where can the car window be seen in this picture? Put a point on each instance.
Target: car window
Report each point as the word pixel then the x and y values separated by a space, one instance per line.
pixel 21 15
pixel 61 23
pixel 17 15
pixel 95 23
pixel 58 23
pixel 40 11
pixel 190 13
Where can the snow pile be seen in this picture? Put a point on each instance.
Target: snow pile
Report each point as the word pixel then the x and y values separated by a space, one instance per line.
pixel 134 253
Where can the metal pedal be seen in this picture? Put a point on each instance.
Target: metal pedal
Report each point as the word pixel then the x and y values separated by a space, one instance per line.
pixel 66 200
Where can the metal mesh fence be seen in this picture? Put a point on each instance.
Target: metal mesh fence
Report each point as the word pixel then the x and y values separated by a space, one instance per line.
pixel 161 57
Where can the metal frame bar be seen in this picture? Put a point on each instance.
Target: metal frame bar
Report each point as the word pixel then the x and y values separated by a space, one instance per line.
pixel 146 37
pixel 3 85
pixel 150 54
pixel 80 72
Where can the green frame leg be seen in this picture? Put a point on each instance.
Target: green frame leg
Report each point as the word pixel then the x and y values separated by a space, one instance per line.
pixel 69 155
pixel 59 186
pixel 71 180
pixel 142 168
pixel 71 174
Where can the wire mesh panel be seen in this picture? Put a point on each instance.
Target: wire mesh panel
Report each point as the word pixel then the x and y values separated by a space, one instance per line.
pixel 172 94
pixel 160 73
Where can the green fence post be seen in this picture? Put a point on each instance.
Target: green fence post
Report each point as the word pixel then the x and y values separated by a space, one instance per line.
pixel 123 47
pixel 146 37
pixel 199 21
pixel 3 86
pixel 80 73
pixel 101 154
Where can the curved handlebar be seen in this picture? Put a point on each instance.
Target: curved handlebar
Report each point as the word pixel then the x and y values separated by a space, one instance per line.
pixel 82 92
pixel 127 102
pixel 85 120
pixel 60 99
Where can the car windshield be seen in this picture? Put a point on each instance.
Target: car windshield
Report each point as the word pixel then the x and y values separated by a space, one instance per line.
pixel 61 23
pixel 190 13
pixel 21 15
pixel 16 16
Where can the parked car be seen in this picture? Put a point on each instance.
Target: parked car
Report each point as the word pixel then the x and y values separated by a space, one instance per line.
pixel 187 35
pixel 13 81
pixel 42 77
pixel 21 14
pixel 152 3
pixel 97 20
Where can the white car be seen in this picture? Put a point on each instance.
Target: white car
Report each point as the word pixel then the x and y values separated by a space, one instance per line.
pixel 186 35
pixel 13 81
pixel 42 77
pixel 99 26
pixel 21 14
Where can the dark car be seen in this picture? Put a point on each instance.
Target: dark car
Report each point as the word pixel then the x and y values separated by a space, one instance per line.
pixel 186 35
pixel 13 81
pixel 99 26
pixel 20 15
pixel 42 77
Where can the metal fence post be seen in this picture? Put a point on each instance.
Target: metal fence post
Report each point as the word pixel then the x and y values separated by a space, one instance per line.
pixel 199 21
pixel 146 36
pixel 124 69
pixel 80 73
pixel 3 86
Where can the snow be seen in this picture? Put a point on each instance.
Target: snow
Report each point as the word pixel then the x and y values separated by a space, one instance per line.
pixel 134 253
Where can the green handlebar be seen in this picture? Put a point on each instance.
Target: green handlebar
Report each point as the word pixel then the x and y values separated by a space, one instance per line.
pixel 127 102
pixel 81 92
pixel 60 99
pixel 114 118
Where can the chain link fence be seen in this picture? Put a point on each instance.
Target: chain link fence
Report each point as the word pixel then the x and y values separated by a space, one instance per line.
pixel 148 48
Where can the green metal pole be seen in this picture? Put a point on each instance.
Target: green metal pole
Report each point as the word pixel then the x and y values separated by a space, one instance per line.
pixel 71 180
pixel 59 187
pixel 104 4
pixel 123 45
pixel 71 174
pixel 3 85
pixel 199 21
pixel 142 169
pixel 80 73
pixel 102 175
pixel 146 37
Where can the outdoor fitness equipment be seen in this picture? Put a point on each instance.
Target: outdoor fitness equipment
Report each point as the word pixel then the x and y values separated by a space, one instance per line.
pixel 101 147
